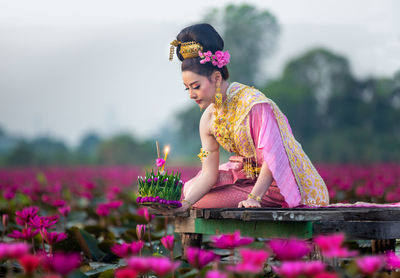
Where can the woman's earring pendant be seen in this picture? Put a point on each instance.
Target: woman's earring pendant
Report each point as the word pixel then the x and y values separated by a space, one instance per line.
pixel 218 98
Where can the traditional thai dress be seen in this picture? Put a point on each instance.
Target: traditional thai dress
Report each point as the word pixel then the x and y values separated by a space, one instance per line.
pixel 251 125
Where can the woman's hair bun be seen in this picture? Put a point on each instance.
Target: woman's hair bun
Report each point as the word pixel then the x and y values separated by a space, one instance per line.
pixel 210 40
pixel 202 33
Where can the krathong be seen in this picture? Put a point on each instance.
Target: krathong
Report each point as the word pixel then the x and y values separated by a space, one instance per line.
pixel 160 188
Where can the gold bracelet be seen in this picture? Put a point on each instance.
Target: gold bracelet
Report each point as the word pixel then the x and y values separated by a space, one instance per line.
pixel 252 196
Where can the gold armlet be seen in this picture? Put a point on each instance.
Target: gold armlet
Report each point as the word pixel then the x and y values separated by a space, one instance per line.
pixel 203 154
pixel 254 197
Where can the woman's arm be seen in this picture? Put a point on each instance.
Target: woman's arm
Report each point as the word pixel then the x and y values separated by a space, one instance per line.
pixel 209 173
pixel 261 186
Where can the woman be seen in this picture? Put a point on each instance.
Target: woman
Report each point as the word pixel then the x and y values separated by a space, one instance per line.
pixel 270 168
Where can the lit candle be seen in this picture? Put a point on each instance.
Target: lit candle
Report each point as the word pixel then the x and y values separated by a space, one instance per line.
pixel 166 151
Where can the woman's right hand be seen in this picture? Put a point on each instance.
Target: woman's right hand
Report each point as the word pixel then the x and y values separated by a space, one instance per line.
pixel 249 203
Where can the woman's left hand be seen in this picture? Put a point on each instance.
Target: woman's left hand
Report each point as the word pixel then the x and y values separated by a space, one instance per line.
pixel 249 203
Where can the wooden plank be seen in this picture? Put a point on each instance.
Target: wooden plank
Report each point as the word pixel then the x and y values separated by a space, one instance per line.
pixel 184 225
pixel 359 229
pixel 301 214
pixel 254 228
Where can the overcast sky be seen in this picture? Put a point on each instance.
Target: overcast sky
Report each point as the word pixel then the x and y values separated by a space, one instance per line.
pixel 69 67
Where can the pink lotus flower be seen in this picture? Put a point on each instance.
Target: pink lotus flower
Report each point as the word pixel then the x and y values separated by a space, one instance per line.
pixel 25 234
pixel 199 258
pixel 392 261
pixel 103 210
pixel 43 222
pixel 23 217
pixel 9 194
pixel 62 263
pixel 326 275
pixel 139 264
pixel 127 249
pixel 54 237
pixel 114 204
pixel 162 265
pixel 144 212
pixel 216 274
pixel 125 272
pixel 252 261
pixel 59 203
pixel 331 246
pixel 329 242
pixel 370 264
pixel 168 242
pixel 29 263
pixel 14 250
pixel 290 269
pixel 64 211
pixel 289 249
pixel 230 241
pixel 140 230
pixel 313 268
pixel 160 162
pixel 3 251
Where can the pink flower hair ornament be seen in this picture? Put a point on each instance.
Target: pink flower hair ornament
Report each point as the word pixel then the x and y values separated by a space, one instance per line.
pixel 219 59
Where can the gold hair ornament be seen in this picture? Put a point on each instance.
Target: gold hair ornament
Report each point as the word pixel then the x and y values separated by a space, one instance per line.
pixel 188 49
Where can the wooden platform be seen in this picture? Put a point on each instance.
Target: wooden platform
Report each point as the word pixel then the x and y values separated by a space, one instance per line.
pixel 356 222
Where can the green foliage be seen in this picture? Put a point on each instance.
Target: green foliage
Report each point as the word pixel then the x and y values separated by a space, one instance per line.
pixel 336 117
pixel 124 149
pixel 249 34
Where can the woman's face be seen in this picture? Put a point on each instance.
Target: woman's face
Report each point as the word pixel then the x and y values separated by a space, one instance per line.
pixel 200 88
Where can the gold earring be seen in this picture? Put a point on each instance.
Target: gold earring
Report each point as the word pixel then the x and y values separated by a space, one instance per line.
pixel 218 97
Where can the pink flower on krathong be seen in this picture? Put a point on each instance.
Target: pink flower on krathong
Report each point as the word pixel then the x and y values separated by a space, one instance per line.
pixel 216 274
pixel 127 249
pixel 43 222
pixel 62 263
pixel 392 261
pixel 199 258
pixel 168 242
pixel 53 237
pixel 370 264
pixel 23 217
pixel 140 230
pixel 289 249
pixel 290 269
pixel 230 241
pixel 144 212
pixel 252 261
pixel 25 234
pixel 29 262
pixel 162 265
pixel 160 162
pixel 64 211
pixel 125 273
